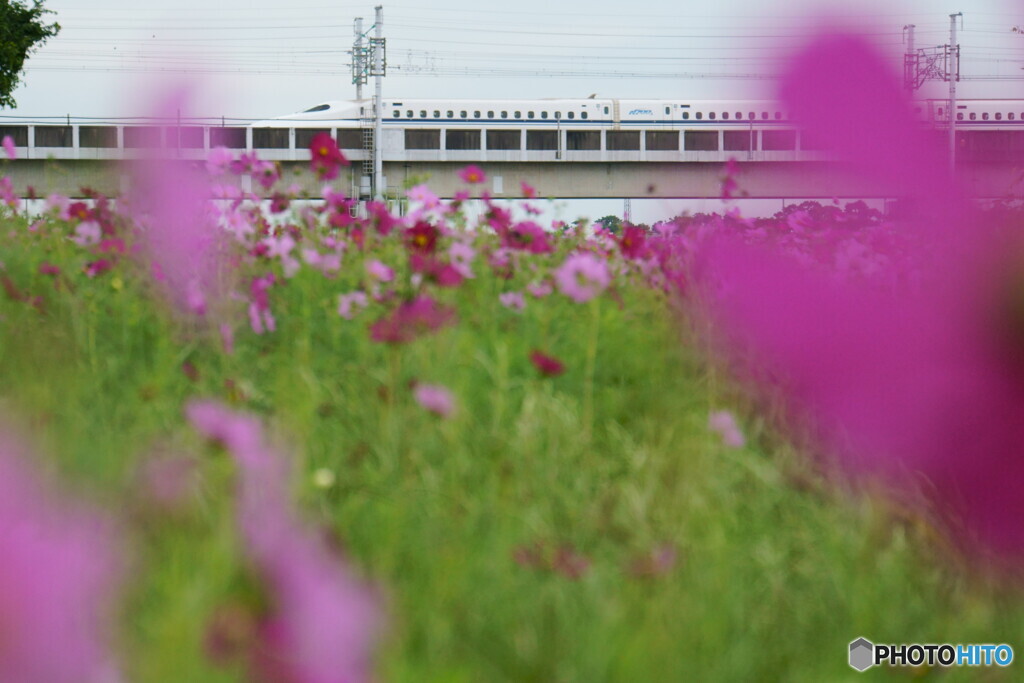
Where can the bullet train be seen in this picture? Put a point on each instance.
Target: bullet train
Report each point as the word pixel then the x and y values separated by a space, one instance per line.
pixel 988 129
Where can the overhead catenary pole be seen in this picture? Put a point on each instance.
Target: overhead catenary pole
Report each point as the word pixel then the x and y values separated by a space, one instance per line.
pixel 357 55
pixel 953 72
pixel 378 104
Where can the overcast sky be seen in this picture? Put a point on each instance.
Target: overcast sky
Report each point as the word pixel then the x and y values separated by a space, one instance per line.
pixel 263 58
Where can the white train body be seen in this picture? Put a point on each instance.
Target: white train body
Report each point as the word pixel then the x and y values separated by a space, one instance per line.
pixel 608 129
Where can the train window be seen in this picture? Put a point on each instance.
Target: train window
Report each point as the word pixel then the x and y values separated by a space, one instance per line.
pixel 584 140
pixel 397 114
pixel 543 114
pixel 973 117
pixel 519 114
pixel 583 115
pixel 712 115
pixel 462 139
pixel 939 112
pixel 778 116
pixel 504 114
pixel 572 115
pixel 666 110
pixel 451 114
pixel 984 117
pixel 490 114
pixel 752 116
pixel 408 113
pixel 700 140
pixel 422 139
pixel 623 140
pixel 1010 116
pixel 423 113
pixel 606 110
pixel 319 107
pixel 662 140
pixel 686 114
pixel 764 116
pixel 739 115
pixel 529 114
pixel 700 115
pixel 959 116
pixel 463 113
pixel 437 114
pixel 476 114
pixel 503 139
pixel 778 140
pixel 725 115
pixel 999 117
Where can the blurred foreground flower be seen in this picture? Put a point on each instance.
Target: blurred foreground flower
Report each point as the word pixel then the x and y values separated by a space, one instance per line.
pixel 322 621
pixel 898 381
pixel 435 398
pixel 582 277
pixel 58 573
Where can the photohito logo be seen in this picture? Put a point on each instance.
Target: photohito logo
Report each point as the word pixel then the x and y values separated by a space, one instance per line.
pixel 864 654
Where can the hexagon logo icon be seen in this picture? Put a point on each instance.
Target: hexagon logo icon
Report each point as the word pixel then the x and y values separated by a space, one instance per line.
pixel 862 653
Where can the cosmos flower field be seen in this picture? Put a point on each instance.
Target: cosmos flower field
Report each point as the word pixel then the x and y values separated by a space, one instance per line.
pixel 271 440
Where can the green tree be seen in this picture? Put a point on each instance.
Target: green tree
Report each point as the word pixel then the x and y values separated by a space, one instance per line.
pixel 22 30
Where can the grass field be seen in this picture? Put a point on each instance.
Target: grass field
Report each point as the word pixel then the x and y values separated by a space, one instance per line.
pixel 584 526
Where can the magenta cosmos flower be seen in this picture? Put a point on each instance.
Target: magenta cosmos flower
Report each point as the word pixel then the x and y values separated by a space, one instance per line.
pixel 472 174
pixel 582 277
pixel 58 572
pixel 323 621
pixel 412 319
pixel 902 382
pixel 326 158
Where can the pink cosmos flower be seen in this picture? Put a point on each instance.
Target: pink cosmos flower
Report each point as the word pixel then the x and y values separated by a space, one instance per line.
pixel 472 174
pixel 378 271
pixel 260 317
pixel 582 277
pixel 528 190
pixel 633 242
pixel 539 290
pixel 461 256
pixel 7 193
pixel 323 621
pixel 87 234
pixel 412 319
pixel 435 398
pixel 58 576
pixel 528 236
pixel 424 195
pixel 724 423
pixel 9 148
pixel 903 381
pixel 349 303
pixel 326 157
pixel 218 161
pixel 513 300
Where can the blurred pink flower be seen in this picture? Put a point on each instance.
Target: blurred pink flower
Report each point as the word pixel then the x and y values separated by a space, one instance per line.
pixel 58 576
pixel 724 424
pixel 528 236
pixel 513 300
pixel 435 398
pixel 412 319
pixel 87 233
pixel 461 256
pixel 9 148
pixel 349 303
pixel 582 277
pixel 539 290
pixel 323 621
pixel 903 380
pixel 218 161
pixel 378 271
